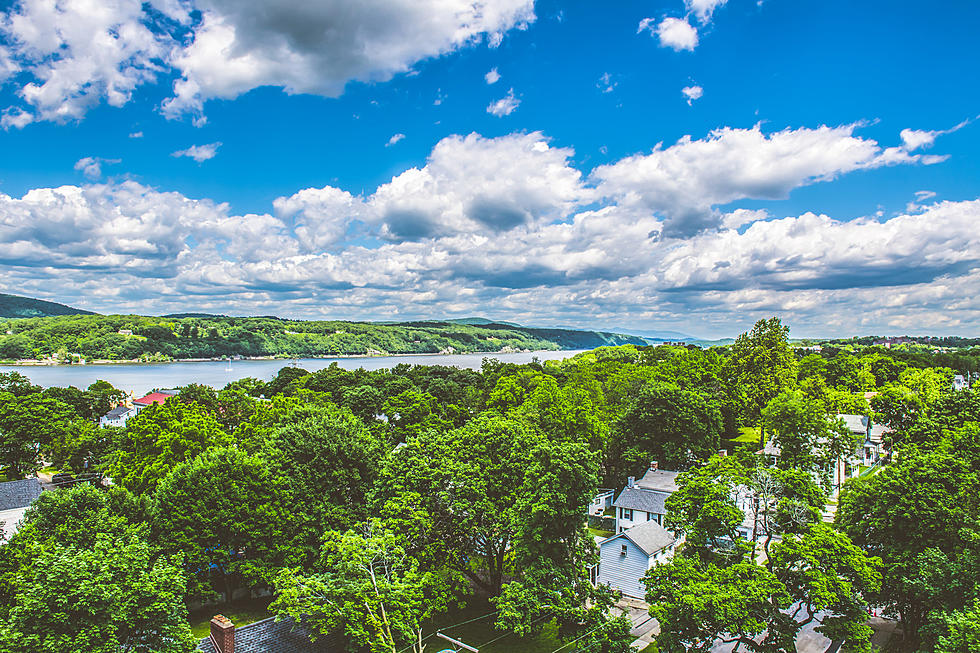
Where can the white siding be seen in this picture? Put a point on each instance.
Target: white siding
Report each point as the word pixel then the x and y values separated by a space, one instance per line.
pixel 639 517
pixel 623 572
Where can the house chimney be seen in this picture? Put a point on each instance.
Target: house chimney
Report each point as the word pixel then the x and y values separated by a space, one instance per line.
pixel 654 465
pixel 630 481
pixel 223 634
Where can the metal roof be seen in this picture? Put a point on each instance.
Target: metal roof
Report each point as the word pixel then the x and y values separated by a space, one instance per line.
pixel 659 479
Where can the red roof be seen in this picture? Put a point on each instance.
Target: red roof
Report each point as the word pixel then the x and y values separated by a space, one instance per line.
pixel 152 398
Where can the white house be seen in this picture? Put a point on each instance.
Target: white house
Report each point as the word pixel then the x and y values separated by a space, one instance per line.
pixel 117 416
pixel 603 500
pixel 644 500
pixel 625 558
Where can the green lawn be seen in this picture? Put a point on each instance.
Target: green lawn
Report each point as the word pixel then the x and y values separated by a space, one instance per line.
pixel 481 634
pixel 748 434
pixel 597 533
pixel 240 612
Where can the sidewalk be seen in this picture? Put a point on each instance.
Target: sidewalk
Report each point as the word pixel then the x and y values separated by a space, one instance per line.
pixel 645 628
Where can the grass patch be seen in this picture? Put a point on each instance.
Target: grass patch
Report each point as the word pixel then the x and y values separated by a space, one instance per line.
pixel 595 532
pixel 241 612
pixel 481 634
pixel 748 434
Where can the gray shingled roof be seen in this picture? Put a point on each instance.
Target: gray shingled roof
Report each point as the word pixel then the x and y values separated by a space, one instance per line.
pixel 117 412
pixel 638 498
pixel 19 494
pixel 271 636
pixel 650 536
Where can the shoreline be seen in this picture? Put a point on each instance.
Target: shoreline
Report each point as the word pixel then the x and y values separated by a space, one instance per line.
pixel 110 363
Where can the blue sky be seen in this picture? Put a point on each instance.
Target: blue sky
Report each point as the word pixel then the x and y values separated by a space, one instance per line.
pixel 353 160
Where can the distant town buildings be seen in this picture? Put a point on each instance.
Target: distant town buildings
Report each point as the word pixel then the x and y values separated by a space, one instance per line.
pixel 119 415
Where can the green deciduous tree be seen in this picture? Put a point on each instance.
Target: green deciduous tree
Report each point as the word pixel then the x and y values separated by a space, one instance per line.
pixel 761 365
pixel 329 461
pixel 29 423
pixel 922 506
pixel 112 597
pixel 469 480
pixel 367 586
pixel 676 427
pixel 158 439
pixel 818 576
pixel 224 512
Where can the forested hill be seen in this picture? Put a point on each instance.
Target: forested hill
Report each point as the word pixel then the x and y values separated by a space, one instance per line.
pixel 14 306
pixel 131 337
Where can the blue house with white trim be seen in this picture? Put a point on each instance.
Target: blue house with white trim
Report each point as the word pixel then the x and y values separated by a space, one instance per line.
pixel 625 558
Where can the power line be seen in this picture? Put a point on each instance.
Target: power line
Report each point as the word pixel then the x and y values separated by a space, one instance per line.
pixel 461 623
pixel 497 639
pixel 578 638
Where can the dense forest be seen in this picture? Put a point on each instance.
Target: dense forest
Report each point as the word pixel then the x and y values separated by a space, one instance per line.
pixel 133 337
pixel 15 306
pixel 385 504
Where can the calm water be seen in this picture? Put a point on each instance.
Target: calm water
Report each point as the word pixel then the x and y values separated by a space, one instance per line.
pixel 140 379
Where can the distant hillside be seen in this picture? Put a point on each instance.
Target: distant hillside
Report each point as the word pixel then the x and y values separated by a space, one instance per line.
pixel 15 306
pixel 131 337
pixel 480 321
pixel 653 335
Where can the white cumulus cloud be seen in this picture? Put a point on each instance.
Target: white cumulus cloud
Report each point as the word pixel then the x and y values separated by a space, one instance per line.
pixel 684 181
pixel 65 56
pixel 505 105
pixel 692 93
pixel 91 166
pixel 318 47
pixel 199 152
pixel 674 33
pixel 394 139
pixel 492 77
pixel 703 9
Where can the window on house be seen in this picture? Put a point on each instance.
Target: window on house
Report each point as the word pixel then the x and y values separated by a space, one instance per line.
pixel 627 514
pixel 622 550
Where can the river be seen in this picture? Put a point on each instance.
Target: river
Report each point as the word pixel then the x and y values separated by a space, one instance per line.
pixel 141 378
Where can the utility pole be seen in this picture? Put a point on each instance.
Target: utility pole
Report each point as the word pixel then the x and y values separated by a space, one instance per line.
pixel 456 642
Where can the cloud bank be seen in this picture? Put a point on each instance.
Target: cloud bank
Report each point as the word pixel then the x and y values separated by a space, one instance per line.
pixel 509 226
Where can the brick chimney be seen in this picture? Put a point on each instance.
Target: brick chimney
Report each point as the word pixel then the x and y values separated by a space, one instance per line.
pixel 654 465
pixel 223 634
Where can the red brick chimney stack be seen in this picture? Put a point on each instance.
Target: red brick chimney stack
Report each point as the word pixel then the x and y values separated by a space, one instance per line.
pixel 223 634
